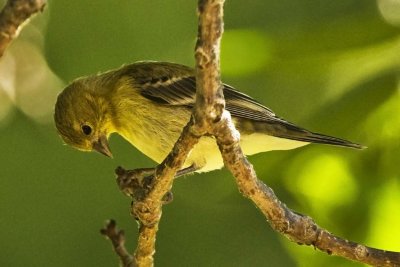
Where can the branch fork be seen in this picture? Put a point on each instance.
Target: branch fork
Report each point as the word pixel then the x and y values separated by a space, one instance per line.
pixel 209 117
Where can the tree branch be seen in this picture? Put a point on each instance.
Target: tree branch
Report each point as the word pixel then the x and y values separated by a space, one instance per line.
pixel 296 227
pixel 149 188
pixel 210 102
pixel 154 187
pixel 148 211
pixel 147 208
pixel 13 16
pixel 209 107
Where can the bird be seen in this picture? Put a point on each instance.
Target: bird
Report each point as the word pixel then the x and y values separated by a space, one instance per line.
pixel 148 103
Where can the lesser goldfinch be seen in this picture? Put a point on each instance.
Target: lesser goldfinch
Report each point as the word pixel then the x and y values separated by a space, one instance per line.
pixel 149 103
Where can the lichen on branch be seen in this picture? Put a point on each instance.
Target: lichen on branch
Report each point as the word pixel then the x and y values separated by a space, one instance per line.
pixel 13 17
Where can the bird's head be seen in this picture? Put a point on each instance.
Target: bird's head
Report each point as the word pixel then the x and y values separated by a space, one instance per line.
pixel 82 118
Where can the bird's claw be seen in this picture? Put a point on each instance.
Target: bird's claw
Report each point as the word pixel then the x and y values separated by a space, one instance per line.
pixel 138 183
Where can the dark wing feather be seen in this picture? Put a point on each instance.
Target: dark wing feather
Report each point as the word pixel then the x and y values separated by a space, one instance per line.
pixel 182 92
pixel 173 84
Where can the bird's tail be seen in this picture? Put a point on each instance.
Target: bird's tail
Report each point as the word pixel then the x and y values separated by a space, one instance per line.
pixel 310 137
pixel 291 131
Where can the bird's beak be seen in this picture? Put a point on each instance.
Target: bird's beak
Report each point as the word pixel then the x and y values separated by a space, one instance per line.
pixel 101 146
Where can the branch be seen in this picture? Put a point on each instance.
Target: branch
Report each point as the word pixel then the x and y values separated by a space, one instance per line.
pixel 209 107
pixel 150 188
pixel 147 207
pixel 210 102
pixel 148 211
pixel 209 110
pixel 154 186
pixel 297 227
pixel 13 16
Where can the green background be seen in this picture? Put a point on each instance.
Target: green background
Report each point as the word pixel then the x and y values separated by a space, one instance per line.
pixel 330 66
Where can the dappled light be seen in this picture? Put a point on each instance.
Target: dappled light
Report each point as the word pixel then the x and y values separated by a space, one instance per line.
pixel 390 11
pixel 384 123
pixel 26 81
pixel 351 68
pixel 7 86
pixel 245 51
pixel 324 180
pixel 384 230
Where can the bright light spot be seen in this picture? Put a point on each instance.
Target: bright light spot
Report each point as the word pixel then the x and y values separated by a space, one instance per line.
pixel 354 67
pixel 7 84
pixel 37 85
pixel 5 106
pixel 385 217
pixel 325 180
pixel 390 11
pixel 384 122
pixel 27 82
pixel 7 74
pixel 244 51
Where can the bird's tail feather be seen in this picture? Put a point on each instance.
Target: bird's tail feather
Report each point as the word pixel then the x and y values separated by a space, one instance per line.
pixel 288 130
pixel 311 137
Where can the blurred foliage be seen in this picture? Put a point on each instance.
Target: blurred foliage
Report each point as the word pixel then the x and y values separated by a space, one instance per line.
pixel 330 66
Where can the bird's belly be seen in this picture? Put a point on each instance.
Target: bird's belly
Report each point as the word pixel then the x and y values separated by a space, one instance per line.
pixel 205 155
pixel 156 136
pixel 155 146
pixel 157 143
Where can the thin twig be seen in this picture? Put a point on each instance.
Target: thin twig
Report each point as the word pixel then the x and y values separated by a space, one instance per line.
pixel 13 16
pixel 117 238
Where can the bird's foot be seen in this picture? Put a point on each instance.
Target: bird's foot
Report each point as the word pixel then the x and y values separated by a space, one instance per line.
pixel 138 183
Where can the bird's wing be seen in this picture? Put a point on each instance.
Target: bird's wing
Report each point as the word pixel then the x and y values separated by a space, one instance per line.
pixel 182 92
pixel 173 84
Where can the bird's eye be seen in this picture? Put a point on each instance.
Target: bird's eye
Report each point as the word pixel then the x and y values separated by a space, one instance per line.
pixel 86 129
